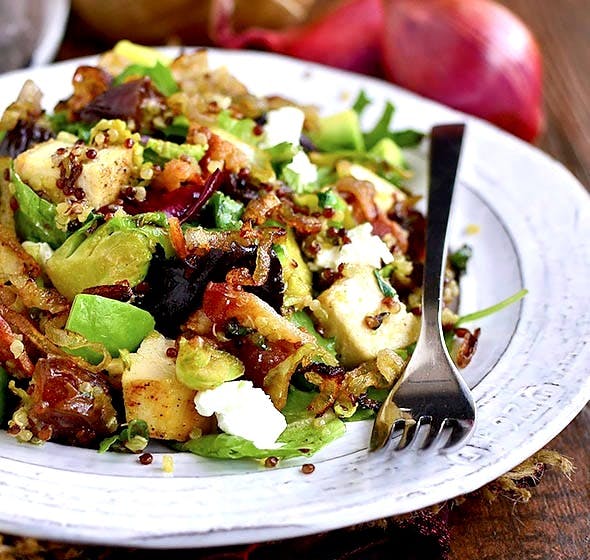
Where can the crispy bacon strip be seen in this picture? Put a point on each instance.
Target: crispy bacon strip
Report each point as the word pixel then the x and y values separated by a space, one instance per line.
pixel 361 196
pixel 468 346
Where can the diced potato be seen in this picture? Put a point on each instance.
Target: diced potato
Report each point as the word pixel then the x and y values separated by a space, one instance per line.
pixel 101 178
pixel 152 393
pixel 344 307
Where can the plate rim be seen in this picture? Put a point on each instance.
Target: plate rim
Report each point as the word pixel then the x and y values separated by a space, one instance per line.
pixel 219 536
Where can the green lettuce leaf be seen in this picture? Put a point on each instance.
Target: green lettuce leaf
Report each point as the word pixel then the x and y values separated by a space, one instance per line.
pixel 59 122
pixel 160 75
pixel 242 129
pixel 35 217
pixel 304 435
pixel 226 211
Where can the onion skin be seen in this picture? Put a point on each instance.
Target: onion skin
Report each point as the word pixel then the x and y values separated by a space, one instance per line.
pixel 473 55
pixel 346 37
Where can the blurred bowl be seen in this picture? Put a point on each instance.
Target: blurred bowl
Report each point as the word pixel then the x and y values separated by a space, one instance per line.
pixel 160 22
pixel 31 31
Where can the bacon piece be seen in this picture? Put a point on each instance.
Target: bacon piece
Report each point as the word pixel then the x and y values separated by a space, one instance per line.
pixel 175 174
pixel 361 196
pixel 468 346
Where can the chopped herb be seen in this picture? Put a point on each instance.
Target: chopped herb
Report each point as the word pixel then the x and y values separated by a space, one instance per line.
pixel 386 288
pixel 492 309
pixel 233 329
pixel 381 128
pixel 133 437
pixel 460 258
pixel 361 102
pixel 407 138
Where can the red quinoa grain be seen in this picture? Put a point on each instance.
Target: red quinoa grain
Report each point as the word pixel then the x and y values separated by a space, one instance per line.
pixel 308 468
pixel 146 458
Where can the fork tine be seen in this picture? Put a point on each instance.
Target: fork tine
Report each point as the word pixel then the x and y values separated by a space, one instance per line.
pixel 441 435
pixel 398 433
pixel 459 432
pixel 412 430
pixel 422 433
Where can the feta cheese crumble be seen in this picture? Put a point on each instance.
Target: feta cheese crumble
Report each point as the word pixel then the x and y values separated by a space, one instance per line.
pixel 243 410
pixel 302 166
pixel 364 249
pixel 283 125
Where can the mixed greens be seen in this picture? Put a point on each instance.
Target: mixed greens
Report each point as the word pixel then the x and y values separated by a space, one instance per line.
pixel 184 261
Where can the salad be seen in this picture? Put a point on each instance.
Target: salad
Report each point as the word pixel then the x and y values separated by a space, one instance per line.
pixel 181 260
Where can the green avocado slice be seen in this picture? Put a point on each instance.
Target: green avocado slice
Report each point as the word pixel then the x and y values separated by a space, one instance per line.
pixel 115 324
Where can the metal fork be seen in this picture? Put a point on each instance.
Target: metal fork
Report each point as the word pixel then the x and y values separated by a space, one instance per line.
pixel 431 406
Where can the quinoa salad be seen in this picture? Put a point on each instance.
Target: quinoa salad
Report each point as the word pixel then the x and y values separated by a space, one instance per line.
pixel 180 260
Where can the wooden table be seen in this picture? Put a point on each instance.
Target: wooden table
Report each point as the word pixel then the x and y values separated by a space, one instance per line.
pixel 555 525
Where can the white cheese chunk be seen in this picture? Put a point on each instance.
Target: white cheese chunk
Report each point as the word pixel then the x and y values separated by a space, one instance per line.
pixel 243 410
pixel 302 166
pixel 364 249
pixel 283 125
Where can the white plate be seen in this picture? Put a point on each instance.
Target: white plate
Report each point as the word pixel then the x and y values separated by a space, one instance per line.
pixel 534 221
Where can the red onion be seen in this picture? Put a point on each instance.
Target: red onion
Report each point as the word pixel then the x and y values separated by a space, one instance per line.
pixel 183 203
pixel 474 55
pixel 345 37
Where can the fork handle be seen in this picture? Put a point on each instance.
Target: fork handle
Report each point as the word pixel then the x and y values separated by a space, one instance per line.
pixel 445 149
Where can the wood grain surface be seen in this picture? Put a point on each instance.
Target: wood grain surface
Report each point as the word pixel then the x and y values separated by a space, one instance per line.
pixel 555 525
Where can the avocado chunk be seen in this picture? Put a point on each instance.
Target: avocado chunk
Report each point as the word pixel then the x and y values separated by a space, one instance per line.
pixel 296 273
pixel 200 365
pixel 115 324
pixel 341 131
pixel 140 54
pixel 388 151
pixel 121 249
